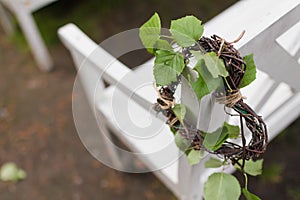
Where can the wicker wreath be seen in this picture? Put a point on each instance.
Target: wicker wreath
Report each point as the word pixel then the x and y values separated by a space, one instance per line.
pixel 232 98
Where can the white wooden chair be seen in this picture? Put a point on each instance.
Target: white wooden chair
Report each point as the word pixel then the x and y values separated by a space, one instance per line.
pixel 22 10
pixel 275 94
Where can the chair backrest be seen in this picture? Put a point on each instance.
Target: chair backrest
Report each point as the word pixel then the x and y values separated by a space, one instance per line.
pixel 272 34
pixel 278 98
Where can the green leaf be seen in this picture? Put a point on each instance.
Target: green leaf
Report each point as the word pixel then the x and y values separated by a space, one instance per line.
pixel 182 143
pixel 171 59
pixel 168 65
pixel 164 75
pixel 250 73
pixel 195 156
pixel 173 130
pixel 21 174
pixel 253 168
pixel 186 31
pixel 180 111
pixel 214 64
pixel 10 172
pixel 200 87
pixel 213 141
pixel 205 83
pixel 150 32
pixel 249 195
pixel 233 131
pixel 221 186
pixel 213 163
pixel 163 45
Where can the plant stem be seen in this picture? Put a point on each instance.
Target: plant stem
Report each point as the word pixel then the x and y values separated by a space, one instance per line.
pixel 243 142
pixel 227 84
pixel 246 181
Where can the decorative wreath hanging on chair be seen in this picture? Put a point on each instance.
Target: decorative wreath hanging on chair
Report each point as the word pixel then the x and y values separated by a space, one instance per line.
pixel 221 71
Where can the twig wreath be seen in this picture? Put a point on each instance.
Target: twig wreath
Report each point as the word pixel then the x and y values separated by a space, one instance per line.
pixel 218 64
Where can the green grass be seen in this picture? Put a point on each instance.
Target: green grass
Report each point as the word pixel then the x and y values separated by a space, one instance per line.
pixel 85 13
pixel 294 193
pixel 91 15
pixel 272 173
pixel 19 40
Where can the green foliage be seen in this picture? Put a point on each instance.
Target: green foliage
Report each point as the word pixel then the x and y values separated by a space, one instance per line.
pixel 213 63
pixel 249 196
pixel 150 32
pixel 273 173
pixel 251 167
pixel 250 73
pixel 186 31
pixel 214 140
pixel 10 172
pixel 163 45
pixel 294 193
pixel 221 186
pixel 170 59
pixel 195 156
pixel 233 131
pixel 164 74
pixel 182 144
pixel 180 111
pixel 213 163
pixel 173 130
pixel 168 65
pixel 19 40
pixel 87 15
pixel 205 83
pixel 200 87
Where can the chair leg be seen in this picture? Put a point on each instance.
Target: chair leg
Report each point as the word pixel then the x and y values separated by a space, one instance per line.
pixel 89 79
pixel 6 21
pixel 36 43
pixel 111 150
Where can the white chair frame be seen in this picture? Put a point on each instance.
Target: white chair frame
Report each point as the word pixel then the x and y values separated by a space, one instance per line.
pixel 22 10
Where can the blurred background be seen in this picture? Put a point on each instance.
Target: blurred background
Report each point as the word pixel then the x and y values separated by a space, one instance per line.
pixel 36 125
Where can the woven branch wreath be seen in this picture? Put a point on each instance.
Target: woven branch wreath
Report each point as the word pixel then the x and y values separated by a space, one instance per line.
pixel 218 64
pixel 235 66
